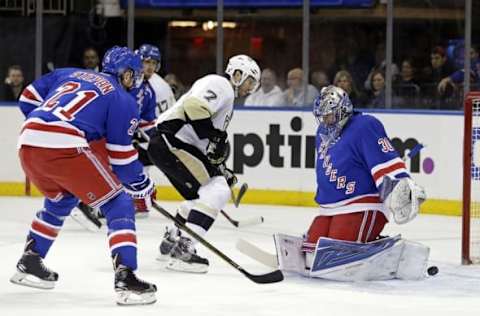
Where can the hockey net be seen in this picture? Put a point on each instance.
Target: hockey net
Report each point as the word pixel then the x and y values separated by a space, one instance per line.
pixel 471 180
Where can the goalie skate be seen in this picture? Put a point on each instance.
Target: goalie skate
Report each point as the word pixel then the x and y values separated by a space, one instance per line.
pixel 32 272
pixel 184 258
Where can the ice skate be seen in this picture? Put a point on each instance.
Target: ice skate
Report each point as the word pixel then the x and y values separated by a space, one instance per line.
pixel 32 272
pixel 184 258
pixel 169 240
pixel 131 290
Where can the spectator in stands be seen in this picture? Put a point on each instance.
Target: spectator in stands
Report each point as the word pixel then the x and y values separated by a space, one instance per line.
pixel 439 68
pixel 269 93
pixel 90 59
pixel 407 86
pixel 343 79
pixel 294 94
pixel 177 86
pixel 320 79
pixel 380 64
pixel 456 78
pixel 13 85
pixel 377 93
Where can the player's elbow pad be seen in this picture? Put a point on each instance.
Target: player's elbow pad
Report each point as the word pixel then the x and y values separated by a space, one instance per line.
pixel 204 129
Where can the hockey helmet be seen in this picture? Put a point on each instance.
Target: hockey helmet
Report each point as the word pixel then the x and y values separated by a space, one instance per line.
pixel 332 109
pixel 150 52
pixel 118 59
pixel 247 67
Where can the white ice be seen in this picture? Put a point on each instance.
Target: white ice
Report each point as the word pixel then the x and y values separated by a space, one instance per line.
pixel 86 278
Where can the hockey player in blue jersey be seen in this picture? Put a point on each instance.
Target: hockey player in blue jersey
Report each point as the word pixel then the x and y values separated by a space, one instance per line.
pixel 72 108
pixel 361 182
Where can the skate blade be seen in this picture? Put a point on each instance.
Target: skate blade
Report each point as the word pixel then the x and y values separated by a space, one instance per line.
pixel 29 280
pixel 182 266
pixel 163 257
pixel 129 298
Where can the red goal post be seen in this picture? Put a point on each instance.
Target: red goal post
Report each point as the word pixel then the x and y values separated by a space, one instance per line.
pixel 471 180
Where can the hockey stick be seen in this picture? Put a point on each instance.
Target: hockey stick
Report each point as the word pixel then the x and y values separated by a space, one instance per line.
pixel 236 201
pixel 243 189
pixel 244 222
pixel 272 277
pixel 257 254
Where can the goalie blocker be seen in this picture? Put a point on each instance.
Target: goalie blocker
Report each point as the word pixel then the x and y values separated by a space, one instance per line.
pixel 383 259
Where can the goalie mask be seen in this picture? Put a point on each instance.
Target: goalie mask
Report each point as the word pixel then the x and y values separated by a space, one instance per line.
pixel 332 109
pixel 247 67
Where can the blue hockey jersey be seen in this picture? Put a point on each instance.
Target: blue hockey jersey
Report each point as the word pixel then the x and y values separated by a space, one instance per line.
pixel 350 172
pixel 147 106
pixel 71 107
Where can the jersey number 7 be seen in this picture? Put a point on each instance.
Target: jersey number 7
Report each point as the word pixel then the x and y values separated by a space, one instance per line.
pixel 67 111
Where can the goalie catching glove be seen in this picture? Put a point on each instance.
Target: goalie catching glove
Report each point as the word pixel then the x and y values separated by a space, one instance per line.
pixel 143 193
pixel 403 198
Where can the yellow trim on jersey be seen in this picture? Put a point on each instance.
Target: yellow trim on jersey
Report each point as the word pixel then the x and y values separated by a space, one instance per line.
pixel 196 109
pixel 254 196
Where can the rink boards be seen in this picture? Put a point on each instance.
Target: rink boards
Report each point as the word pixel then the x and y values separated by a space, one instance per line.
pixel 274 152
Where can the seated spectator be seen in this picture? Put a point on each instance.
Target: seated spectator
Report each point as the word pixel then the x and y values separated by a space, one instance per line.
pixel 456 78
pixel 320 79
pixel 407 86
pixel 377 93
pixel 343 79
pixel 13 85
pixel 269 93
pixel 294 94
pixel 177 86
pixel 380 65
pixel 90 59
pixel 439 68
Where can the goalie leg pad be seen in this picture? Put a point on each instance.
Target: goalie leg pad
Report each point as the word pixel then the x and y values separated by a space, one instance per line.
pixel 413 261
pixel 350 261
pixel 291 258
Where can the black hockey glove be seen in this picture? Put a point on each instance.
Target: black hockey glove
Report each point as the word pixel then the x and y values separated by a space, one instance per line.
pixel 229 175
pixel 218 149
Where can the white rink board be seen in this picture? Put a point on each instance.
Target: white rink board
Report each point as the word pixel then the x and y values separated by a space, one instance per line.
pixel 442 136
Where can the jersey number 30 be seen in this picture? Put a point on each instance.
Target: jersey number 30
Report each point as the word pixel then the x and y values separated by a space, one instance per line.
pixel 66 112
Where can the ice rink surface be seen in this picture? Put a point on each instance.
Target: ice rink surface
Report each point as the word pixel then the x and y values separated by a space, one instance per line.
pixel 86 277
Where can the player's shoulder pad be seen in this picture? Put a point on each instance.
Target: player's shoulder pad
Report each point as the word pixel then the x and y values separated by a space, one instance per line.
pixel 220 82
pixel 362 122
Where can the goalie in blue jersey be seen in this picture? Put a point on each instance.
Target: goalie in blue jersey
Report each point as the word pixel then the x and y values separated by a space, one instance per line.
pixel 361 183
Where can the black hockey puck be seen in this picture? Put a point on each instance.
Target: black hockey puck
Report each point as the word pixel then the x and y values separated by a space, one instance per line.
pixel 432 270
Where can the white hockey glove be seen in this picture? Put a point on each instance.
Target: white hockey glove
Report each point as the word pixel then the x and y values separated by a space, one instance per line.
pixel 143 193
pixel 403 198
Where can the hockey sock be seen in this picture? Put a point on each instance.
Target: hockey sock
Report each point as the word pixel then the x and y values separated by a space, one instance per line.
pixel 122 237
pixel 44 230
pixel 48 222
pixel 199 222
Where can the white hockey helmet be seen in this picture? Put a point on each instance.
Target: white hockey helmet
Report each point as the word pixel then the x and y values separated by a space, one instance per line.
pixel 248 68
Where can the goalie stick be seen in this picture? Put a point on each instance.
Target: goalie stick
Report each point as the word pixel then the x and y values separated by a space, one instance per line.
pixel 271 277
pixel 256 253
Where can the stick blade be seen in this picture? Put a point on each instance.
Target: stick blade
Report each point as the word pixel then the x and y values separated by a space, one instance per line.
pixel 271 277
pixel 256 253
